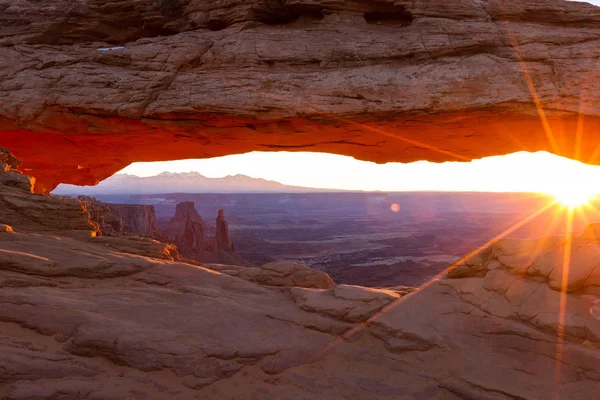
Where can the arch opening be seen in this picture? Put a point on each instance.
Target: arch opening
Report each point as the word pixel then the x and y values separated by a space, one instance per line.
pixel 313 207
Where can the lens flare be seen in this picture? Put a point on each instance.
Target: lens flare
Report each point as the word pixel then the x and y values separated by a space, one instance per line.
pixel 574 197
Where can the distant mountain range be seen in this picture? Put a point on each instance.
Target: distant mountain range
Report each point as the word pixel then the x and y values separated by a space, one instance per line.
pixel 187 182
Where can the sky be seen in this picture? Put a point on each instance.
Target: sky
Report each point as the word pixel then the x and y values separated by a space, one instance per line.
pixel 518 172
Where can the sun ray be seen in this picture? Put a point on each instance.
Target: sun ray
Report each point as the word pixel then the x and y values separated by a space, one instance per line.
pixel 579 130
pixel 355 123
pixel 461 261
pixel 547 232
pixel 563 297
pixel 373 129
pixel 575 197
pixel 531 87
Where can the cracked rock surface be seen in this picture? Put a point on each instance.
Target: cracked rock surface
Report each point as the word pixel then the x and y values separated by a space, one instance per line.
pixel 85 317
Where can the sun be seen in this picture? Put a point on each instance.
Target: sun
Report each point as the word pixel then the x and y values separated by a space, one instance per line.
pixel 574 197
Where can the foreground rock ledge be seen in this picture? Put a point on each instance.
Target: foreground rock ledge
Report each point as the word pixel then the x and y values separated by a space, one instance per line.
pixel 88 89
pixel 85 317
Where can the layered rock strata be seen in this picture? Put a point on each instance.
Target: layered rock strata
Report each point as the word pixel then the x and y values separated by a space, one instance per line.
pixel 285 274
pixel 19 206
pixel 123 218
pixel 183 211
pixel 388 80
pixel 187 230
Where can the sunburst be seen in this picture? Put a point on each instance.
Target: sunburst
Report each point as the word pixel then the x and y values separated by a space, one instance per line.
pixel 574 197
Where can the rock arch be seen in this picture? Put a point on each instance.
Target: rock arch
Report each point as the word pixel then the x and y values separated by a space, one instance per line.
pixel 89 89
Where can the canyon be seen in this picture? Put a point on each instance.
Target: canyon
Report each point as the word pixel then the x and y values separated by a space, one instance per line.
pixel 186 229
pixel 189 232
pixel 90 87
pixel 114 317
pixel 383 81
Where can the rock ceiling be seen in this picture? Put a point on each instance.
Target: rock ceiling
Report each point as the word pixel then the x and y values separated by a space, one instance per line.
pixel 89 87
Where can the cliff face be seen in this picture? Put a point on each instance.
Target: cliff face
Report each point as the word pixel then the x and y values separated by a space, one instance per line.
pixel 385 80
pixel 122 218
pixel 222 238
pixel 191 241
pixel 19 206
pixel 138 219
pixel 183 211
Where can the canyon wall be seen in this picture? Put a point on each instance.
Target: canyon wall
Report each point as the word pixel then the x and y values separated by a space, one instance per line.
pixel 383 80
pixel 122 218
pixel 19 206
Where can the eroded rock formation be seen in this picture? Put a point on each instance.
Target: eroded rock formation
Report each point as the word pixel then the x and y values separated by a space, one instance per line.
pixel 191 240
pixel 222 238
pixel 187 230
pixel 381 80
pixel 183 211
pixel 19 206
pixel 112 317
pixel 34 215
pixel 122 218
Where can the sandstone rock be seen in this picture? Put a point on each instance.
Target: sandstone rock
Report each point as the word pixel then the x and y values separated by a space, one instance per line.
pixel 8 160
pixel 381 81
pixel 33 212
pixel 26 211
pixel 191 241
pixel 86 318
pixel 288 274
pixel 10 176
pixel 349 303
pixel 122 218
pixel 183 211
pixel 591 233
pixel 295 274
pixel 137 219
pixel 5 228
pixel 222 238
pixel 17 180
pixel 285 274
pixel 187 230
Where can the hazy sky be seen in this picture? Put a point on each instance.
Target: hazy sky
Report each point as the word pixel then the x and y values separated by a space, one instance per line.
pixel 519 172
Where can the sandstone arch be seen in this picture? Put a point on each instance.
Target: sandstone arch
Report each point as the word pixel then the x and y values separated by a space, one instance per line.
pixel 90 87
